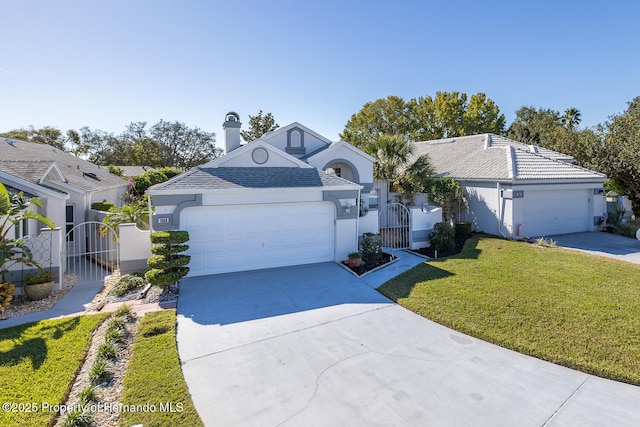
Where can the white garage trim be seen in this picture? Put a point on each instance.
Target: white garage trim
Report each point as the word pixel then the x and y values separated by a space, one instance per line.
pixel 555 212
pixel 232 238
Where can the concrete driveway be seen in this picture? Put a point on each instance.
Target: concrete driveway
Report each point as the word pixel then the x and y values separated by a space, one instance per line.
pixel 315 346
pixel 602 244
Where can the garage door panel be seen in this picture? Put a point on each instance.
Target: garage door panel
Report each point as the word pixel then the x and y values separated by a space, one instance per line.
pixel 246 237
pixel 555 212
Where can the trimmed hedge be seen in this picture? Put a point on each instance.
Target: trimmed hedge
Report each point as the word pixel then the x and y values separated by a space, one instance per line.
pixel 102 206
pixel 168 250
pixel 166 277
pixel 171 237
pixel 166 262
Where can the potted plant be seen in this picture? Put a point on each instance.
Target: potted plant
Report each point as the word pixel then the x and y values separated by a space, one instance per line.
pixel 38 285
pixel 354 259
pixel 14 208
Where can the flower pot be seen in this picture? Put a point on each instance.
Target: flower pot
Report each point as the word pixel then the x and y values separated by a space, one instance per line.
pixel 354 262
pixel 38 291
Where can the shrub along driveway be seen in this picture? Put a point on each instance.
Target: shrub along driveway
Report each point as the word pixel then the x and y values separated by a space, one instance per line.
pixel 314 345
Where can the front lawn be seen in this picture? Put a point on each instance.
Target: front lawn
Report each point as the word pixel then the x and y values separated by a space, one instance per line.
pixel 38 362
pixel 569 308
pixel 154 387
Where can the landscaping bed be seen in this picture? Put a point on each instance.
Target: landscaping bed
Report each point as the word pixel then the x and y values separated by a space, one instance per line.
pixel 459 240
pixel 366 267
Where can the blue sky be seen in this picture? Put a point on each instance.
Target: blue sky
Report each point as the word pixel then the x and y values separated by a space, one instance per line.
pixel 104 64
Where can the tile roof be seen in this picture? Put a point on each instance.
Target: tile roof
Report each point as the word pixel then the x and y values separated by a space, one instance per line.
pixel 251 177
pixel 491 157
pixel 30 161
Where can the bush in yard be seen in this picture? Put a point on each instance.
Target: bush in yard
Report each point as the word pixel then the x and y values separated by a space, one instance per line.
pixel 371 247
pixel 6 294
pixel 102 206
pixel 442 237
pixel 629 228
pixel 168 265
pixel 127 283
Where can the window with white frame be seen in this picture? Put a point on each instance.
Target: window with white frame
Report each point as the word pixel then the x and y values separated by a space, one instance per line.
pixel 373 199
pixel 69 220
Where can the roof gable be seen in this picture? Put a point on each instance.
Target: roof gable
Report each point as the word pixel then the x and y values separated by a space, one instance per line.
pixel 338 147
pixel 296 139
pixel 257 154
pixel 36 163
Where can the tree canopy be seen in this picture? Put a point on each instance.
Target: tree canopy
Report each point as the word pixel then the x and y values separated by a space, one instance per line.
pixel 446 115
pixel 258 126
pixel 165 144
pixel 617 150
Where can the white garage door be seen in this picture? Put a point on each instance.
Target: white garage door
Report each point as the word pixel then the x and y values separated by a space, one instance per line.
pixel 224 239
pixel 555 212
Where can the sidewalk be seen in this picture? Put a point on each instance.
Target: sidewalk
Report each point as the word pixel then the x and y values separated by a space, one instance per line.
pixel 73 304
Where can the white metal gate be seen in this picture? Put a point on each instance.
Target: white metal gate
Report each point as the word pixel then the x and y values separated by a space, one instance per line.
pixel 92 251
pixel 395 226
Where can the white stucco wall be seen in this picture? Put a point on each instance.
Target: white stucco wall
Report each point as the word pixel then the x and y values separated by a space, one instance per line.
pixel 483 208
pixel 369 222
pixel 421 225
pixel 362 164
pixel 346 240
pixel 135 248
pixel 245 160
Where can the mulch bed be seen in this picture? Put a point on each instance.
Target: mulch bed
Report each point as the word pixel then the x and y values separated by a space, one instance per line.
pixel 368 266
pixel 459 244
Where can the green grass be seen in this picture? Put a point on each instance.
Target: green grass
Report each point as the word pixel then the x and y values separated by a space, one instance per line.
pixel 569 308
pixel 154 376
pixel 38 362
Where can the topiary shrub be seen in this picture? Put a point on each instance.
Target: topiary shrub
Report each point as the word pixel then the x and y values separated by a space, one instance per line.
pixel 168 265
pixel 442 237
pixel 371 247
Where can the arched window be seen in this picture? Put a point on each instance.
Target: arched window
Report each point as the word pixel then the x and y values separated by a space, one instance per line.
pixel 296 139
pixel 295 142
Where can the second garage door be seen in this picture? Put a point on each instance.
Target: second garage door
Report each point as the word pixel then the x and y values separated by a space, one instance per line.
pixel 555 212
pixel 225 239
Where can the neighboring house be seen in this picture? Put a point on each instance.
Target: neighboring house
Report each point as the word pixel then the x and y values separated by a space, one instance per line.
pixel 518 190
pixel 67 185
pixel 291 197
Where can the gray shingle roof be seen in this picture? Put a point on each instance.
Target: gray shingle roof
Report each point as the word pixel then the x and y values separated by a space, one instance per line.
pixel 202 178
pixel 30 160
pixel 494 158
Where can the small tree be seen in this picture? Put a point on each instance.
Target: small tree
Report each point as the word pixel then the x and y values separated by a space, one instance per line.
pixel 371 247
pixel 449 195
pixel 168 264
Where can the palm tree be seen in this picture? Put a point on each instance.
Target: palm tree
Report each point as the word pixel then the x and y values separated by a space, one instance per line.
pixel 393 153
pixel 136 213
pixel 571 118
